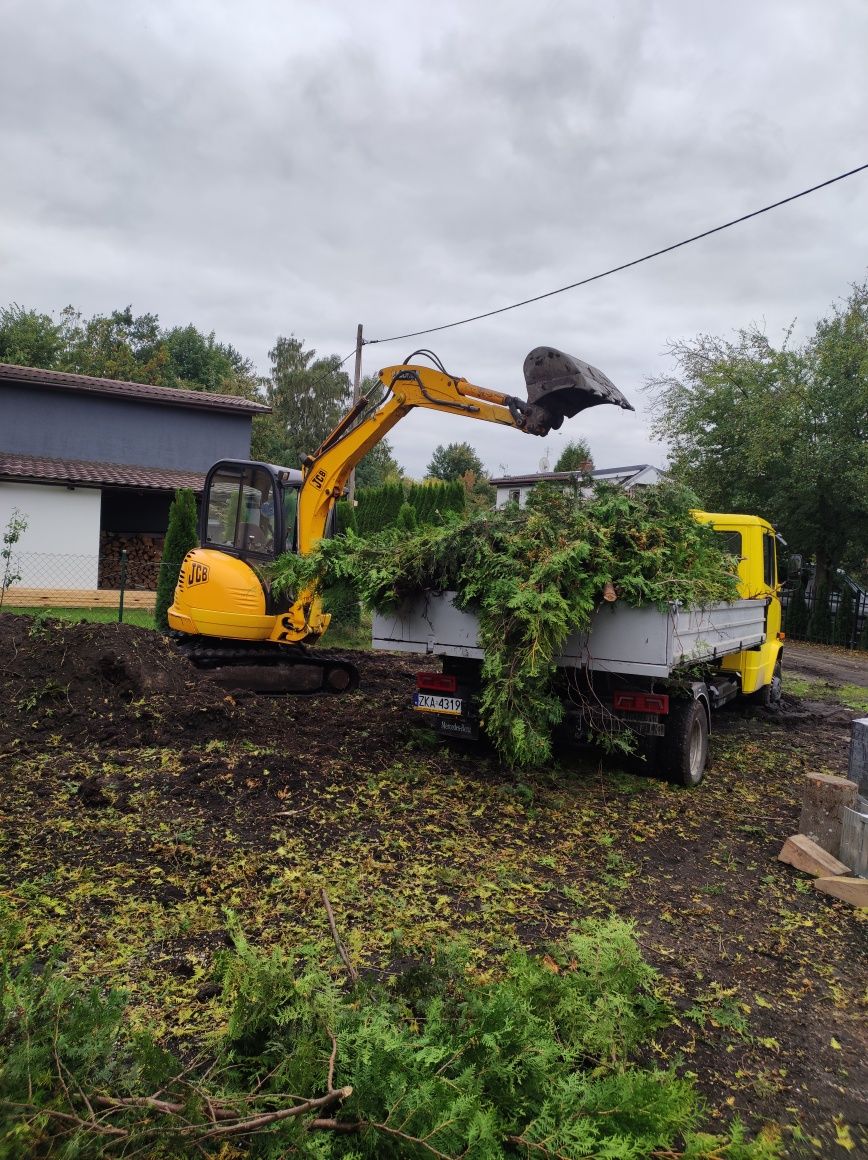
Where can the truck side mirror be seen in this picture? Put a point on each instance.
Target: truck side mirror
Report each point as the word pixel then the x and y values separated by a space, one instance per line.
pixel 795 564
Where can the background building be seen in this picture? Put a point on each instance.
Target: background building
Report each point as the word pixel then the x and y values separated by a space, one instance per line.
pixel 515 488
pixel 93 465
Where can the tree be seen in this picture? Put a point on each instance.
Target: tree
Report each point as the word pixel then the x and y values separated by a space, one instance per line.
pixel 307 395
pixel 15 529
pixel 197 361
pixel 29 339
pixel 119 345
pixel 125 346
pixel 576 456
pixel 782 432
pixel 451 462
pixel 181 537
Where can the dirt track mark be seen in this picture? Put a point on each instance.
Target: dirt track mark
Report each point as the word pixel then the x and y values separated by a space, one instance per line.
pixel 819 663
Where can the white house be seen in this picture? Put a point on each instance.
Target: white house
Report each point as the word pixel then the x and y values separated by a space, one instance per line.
pixel 515 488
pixel 92 464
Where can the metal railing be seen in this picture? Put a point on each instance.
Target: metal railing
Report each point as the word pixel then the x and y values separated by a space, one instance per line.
pixel 840 620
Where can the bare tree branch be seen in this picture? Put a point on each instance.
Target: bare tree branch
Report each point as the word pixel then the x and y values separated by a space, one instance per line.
pixel 342 950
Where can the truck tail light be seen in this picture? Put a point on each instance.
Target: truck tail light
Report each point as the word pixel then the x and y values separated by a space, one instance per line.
pixel 630 702
pixel 436 682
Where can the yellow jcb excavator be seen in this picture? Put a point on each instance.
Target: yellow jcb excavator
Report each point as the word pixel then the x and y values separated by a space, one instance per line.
pixel 225 616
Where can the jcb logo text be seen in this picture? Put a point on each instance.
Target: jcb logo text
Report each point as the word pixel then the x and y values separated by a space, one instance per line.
pixel 198 574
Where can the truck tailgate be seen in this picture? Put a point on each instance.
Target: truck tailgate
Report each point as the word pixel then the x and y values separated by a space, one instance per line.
pixel 639 641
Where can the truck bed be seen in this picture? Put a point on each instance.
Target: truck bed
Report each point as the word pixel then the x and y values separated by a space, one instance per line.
pixel 637 641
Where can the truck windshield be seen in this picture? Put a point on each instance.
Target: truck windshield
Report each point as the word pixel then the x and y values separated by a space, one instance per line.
pixel 241 510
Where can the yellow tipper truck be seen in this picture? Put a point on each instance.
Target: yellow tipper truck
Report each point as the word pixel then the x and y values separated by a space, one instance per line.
pixel 662 673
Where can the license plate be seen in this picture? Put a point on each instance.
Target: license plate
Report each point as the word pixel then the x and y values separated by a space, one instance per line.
pixel 428 703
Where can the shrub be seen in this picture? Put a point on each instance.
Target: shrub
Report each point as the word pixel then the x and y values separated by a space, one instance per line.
pixel 181 537
pixel 342 601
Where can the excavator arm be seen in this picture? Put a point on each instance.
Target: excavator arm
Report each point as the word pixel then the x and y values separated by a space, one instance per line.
pixel 327 471
pixel 558 386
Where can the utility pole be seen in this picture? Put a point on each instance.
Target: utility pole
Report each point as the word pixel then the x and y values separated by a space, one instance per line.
pixel 357 390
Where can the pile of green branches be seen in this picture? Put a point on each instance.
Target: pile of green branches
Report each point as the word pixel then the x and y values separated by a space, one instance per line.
pixel 427 1063
pixel 534 576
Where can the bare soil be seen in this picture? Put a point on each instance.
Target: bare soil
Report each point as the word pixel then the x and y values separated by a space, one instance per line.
pixel 141 803
pixel 819 662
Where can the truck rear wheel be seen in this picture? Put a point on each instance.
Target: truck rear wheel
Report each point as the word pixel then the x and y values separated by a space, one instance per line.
pixel 684 751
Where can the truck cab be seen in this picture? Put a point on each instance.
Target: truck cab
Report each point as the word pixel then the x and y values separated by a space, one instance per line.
pixel 752 540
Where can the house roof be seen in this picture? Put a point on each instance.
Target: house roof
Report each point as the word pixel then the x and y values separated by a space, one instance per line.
pixel 603 473
pixel 142 392
pixel 85 473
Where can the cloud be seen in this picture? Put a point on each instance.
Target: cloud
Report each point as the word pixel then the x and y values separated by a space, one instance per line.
pixel 289 167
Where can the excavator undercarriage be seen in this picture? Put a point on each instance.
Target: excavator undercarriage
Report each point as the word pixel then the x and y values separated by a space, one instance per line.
pixel 268 668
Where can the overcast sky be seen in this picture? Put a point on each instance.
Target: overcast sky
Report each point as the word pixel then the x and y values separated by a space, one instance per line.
pixel 261 168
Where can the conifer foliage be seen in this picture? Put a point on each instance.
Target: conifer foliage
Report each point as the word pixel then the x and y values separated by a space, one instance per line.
pixel 181 537
pixel 534 576
pixel 427 1063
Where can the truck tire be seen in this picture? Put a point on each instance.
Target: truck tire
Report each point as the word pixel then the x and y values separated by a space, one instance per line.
pixel 684 751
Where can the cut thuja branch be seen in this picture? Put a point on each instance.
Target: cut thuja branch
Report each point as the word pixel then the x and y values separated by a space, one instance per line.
pixel 426 1061
pixel 533 576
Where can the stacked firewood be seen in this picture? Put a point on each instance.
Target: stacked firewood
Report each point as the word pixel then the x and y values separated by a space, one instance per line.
pixel 144 552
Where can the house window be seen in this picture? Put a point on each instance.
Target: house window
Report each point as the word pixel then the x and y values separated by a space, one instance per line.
pixel 514 495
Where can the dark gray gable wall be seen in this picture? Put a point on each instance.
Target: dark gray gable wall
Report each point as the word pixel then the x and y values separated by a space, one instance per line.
pixel 67 425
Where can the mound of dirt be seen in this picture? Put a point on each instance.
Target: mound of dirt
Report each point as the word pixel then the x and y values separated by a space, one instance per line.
pixel 88 678
pixel 118 685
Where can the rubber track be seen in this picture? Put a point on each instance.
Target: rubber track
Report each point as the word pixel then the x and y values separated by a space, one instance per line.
pixel 227 654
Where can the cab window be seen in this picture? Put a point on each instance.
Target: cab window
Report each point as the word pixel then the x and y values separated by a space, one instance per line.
pixel 769 570
pixel 290 513
pixel 730 542
pixel 241 511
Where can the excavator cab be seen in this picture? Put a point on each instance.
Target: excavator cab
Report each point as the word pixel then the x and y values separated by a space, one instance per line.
pixel 249 510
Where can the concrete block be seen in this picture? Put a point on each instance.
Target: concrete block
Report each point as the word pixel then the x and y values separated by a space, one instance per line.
pixel 803 853
pixel 854 841
pixel 852 890
pixel 858 768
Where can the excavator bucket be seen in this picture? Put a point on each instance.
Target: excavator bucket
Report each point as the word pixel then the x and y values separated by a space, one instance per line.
pixel 561 386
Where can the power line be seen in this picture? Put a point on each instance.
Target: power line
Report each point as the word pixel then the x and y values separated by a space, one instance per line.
pixel 624 265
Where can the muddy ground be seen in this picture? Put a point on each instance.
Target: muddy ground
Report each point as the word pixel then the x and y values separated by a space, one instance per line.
pixel 141 806
pixel 826 663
